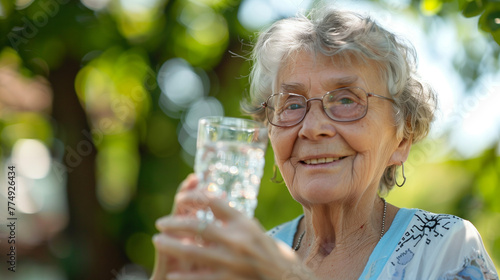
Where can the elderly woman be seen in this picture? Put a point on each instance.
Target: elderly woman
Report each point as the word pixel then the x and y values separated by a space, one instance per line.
pixel 343 106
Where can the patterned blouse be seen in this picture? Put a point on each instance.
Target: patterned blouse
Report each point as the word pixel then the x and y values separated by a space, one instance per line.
pixel 420 245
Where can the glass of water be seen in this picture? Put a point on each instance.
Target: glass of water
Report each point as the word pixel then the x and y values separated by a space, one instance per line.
pixel 229 161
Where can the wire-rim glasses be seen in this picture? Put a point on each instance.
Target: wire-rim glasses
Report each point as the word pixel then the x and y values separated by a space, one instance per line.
pixel 343 105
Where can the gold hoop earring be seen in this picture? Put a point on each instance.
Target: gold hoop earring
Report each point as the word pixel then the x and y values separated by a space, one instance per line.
pixel 404 177
pixel 275 174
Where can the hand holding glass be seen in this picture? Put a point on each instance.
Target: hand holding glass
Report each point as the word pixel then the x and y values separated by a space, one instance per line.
pixel 230 161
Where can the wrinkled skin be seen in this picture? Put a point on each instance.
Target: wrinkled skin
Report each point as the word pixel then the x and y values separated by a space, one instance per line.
pixel 342 211
pixel 234 248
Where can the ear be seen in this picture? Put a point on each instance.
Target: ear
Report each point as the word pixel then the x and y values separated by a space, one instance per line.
pixel 401 153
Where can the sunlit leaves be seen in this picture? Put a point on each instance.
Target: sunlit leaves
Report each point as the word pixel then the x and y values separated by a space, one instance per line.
pixel 472 8
pixel 487 185
pixel 490 21
pixel 95 5
pixel 202 34
pixel 26 125
pixel 140 249
pixel 111 88
pixel 431 7
pixel 218 4
pixel 24 101
pixel 160 139
pixel 117 166
pixel 136 20
pixel 6 7
pixel 113 91
pixel 489 12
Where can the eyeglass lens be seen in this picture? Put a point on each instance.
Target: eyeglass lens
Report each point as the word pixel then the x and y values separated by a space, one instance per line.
pixel 344 104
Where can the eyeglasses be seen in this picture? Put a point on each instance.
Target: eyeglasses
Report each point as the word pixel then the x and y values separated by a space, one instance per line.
pixel 343 105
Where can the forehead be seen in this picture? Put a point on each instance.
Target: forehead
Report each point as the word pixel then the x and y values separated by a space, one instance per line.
pixel 303 70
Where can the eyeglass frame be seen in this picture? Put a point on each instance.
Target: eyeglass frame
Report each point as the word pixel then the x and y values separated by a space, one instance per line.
pixel 368 94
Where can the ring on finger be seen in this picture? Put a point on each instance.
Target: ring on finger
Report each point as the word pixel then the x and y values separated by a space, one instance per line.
pixel 202 225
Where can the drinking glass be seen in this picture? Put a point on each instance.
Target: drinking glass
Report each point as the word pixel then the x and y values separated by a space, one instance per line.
pixel 229 161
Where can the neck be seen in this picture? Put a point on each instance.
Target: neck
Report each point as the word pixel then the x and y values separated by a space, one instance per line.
pixel 341 226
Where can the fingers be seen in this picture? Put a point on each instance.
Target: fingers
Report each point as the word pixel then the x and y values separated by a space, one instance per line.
pixel 194 201
pixel 189 183
pixel 218 275
pixel 232 247
pixel 160 267
pixel 238 246
pixel 201 256
pixel 190 276
pixel 166 263
pixel 203 200
pixel 192 229
pixel 243 235
pixel 222 210
pixel 189 199
pixel 172 224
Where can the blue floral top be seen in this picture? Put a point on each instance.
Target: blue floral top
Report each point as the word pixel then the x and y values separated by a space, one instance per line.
pixel 420 245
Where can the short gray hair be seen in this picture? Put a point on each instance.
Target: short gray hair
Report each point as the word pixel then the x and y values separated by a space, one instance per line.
pixel 344 35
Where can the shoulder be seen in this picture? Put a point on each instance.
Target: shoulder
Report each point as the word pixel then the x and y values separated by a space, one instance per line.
pixel 426 228
pixel 286 231
pixel 440 246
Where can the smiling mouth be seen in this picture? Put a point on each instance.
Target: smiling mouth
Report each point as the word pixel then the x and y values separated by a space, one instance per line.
pixel 314 161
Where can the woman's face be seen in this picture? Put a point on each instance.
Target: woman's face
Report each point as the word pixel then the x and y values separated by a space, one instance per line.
pixel 322 160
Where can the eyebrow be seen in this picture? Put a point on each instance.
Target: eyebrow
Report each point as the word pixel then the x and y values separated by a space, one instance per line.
pixel 333 83
pixel 343 81
pixel 293 87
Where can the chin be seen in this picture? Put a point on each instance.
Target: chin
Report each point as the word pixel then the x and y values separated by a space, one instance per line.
pixel 320 192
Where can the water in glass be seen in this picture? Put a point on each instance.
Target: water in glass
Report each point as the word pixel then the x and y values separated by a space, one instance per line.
pixel 231 170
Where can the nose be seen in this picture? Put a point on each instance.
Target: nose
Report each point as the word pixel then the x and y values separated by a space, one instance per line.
pixel 316 124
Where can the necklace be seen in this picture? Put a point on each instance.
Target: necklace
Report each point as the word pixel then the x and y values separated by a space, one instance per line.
pixel 383 218
pixel 299 241
pixel 297 246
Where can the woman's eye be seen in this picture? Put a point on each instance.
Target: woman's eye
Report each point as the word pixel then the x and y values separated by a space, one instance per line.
pixel 346 100
pixel 294 107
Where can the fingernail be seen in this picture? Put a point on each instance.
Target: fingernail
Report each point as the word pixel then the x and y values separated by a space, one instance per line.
pixel 173 275
pixel 162 222
pixel 156 238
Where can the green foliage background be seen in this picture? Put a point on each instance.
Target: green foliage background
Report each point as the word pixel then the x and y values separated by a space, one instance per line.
pixel 101 67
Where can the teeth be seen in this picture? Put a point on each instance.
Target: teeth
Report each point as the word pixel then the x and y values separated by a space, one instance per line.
pixel 320 160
